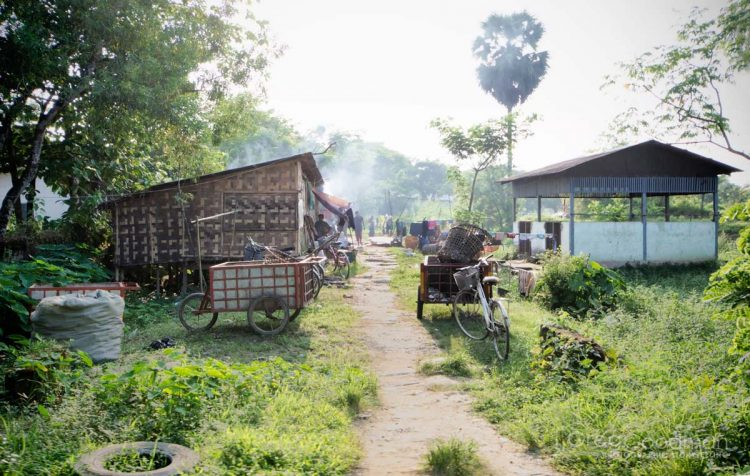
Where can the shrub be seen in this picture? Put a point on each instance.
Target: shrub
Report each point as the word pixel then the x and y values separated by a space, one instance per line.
pixel 577 285
pixel 566 354
pixel 453 457
pixel 42 370
pixel 53 264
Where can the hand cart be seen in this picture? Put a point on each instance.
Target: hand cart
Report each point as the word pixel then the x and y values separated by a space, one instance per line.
pixel 436 283
pixel 267 291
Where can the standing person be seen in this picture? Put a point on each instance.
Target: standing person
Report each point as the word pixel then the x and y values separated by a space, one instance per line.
pixel 371 222
pixel 359 223
pixel 388 225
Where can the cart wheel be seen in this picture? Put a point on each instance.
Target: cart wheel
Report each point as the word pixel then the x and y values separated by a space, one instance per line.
pixel 420 303
pixel 268 315
pixel 317 281
pixel 192 318
pixel 294 315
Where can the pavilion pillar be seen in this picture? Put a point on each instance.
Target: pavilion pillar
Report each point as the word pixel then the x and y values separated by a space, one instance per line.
pixel 666 207
pixel 645 225
pixel 630 214
pixel 716 223
pixel 538 208
pixel 572 222
pixel 514 211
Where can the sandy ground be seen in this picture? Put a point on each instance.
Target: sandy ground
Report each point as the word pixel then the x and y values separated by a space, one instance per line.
pixel 416 409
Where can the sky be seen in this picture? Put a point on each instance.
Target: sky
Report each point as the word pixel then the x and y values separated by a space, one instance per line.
pixel 384 69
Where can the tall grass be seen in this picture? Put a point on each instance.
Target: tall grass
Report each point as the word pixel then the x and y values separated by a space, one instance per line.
pixel 664 407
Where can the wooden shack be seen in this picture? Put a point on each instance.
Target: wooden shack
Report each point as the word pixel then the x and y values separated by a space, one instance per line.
pixel 214 215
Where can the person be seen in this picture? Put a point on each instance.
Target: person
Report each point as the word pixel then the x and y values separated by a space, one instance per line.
pixel 322 228
pixel 388 225
pixel 359 223
pixel 372 225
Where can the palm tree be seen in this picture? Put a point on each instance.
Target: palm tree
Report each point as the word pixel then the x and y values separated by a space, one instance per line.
pixel 510 66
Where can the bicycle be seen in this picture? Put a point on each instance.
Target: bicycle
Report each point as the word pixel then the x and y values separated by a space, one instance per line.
pixel 477 317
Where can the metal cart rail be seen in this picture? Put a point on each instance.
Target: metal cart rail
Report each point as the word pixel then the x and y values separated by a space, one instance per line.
pixel 272 294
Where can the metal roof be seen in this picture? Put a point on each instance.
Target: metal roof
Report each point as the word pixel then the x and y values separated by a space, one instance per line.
pixel 646 159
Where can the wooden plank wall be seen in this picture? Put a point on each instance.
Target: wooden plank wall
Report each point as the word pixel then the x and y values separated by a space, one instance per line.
pixel 154 228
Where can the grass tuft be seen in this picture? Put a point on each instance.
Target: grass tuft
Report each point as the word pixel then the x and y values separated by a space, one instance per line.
pixel 453 457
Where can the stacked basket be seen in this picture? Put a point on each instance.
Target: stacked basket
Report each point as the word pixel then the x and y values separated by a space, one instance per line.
pixel 464 242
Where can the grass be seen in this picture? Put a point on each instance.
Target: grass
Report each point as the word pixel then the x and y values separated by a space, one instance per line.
pixel 453 457
pixel 666 408
pixel 246 404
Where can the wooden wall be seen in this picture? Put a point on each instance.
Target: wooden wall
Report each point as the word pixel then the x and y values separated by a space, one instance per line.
pixel 154 227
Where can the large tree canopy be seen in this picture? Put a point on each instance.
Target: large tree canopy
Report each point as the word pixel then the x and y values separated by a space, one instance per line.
pixel 686 81
pixel 115 90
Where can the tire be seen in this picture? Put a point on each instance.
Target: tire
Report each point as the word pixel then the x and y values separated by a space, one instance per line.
pixel 501 334
pixel 420 303
pixel 317 281
pixel 183 459
pixel 294 315
pixel 468 313
pixel 268 315
pixel 342 268
pixel 192 321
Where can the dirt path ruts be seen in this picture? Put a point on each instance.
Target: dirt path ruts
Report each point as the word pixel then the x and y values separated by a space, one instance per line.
pixel 416 409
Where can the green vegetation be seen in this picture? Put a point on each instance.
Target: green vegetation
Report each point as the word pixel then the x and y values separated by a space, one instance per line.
pixel 52 264
pixel 453 457
pixel 246 404
pixel 668 404
pixel 577 285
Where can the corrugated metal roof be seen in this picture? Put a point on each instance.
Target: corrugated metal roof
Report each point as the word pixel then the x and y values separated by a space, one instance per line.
pixel 631 160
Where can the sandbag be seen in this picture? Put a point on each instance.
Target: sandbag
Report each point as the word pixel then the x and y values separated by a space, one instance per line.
pixel 93 321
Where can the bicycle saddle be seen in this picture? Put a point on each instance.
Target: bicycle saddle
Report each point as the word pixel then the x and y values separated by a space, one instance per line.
pixel 493 280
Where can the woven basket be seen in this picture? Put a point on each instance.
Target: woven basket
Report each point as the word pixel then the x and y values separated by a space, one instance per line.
pixel 462 244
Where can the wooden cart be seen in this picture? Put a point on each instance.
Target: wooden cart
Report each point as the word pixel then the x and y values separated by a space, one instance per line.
pixel 272 294
pixel 436 283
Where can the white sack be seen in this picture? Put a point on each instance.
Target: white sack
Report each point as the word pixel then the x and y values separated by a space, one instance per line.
pixel 93 321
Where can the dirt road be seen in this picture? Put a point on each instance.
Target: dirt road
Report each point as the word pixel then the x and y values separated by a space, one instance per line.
pixel 416 409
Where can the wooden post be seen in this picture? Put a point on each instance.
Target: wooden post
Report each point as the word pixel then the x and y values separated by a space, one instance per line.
pixel 666 207
pixel 645 225
pixel 158 280
pixel 538 208
pixel 572 222
pixel 716 223
pixel 514 212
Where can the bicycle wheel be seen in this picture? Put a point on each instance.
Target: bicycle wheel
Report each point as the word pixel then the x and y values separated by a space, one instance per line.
pixel 317 280
pixel 467 310
pixel 501 332
pixel 191 318
pixel 342 268
pixel 268 315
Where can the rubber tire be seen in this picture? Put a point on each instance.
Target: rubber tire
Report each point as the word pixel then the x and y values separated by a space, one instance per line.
pixel 283 322
pixel 317 281
pixel 420 303
pixel 501 339
pixel 342 268
pixel 181 310
pixel 461 299
pixel 183 459
pixel 294 315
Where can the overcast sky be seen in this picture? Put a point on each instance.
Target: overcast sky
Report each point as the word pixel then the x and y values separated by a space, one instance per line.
pixel 385 68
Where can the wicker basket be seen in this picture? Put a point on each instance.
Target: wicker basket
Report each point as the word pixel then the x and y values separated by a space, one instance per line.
pixel 465 278
pixel 462 244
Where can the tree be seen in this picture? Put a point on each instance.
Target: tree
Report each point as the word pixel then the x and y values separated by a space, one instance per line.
pixel 481 145
pixel 510 66
pixel 430 179
pixel 685 80
pixel 93 76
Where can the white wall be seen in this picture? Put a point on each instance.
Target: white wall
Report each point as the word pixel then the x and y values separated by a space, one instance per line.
pixel 681 242
pixel 617 243
pixel 53 206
